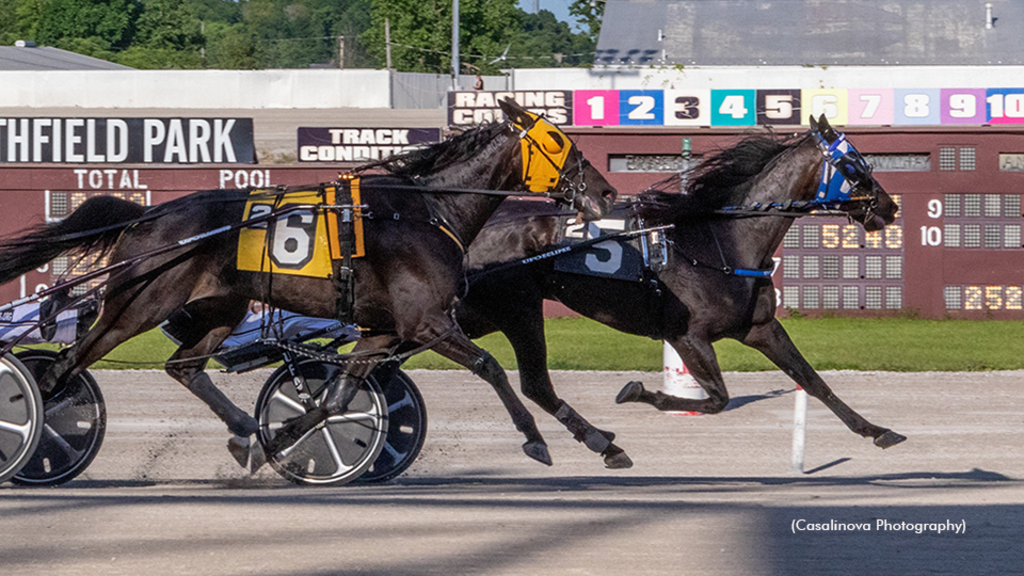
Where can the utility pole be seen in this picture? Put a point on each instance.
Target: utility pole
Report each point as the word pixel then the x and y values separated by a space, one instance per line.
pixel 455 44
pixel 387 41
pixel 341 52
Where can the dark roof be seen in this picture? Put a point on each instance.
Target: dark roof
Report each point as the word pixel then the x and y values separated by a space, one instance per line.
pixel 811 32
pixel 46 58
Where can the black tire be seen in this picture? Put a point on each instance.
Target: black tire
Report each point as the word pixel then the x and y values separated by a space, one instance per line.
pixel 21 416
pixel 339 452
pixel 407 429
pixel 76 422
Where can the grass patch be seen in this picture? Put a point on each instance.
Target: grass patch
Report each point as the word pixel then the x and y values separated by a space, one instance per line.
pixel 893 344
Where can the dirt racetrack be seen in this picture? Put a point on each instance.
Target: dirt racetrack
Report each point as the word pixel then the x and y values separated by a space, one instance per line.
pixel 709 495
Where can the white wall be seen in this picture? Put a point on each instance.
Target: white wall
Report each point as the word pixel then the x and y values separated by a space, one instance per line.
pixel 333 89
pixel 768 77
pixel 254 89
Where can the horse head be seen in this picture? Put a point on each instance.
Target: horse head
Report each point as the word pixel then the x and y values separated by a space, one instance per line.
pixel 850 179
pixel 553 165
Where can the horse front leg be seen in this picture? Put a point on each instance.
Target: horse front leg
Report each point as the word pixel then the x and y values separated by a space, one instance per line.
pixel 772 340
pixel 525 332
pixel 699 356
pixel 460 349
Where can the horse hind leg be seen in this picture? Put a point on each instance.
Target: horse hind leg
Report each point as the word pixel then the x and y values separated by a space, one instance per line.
pixel 210 322
pixel 699 357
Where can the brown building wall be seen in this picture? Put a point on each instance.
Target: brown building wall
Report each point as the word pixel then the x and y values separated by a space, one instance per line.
pixel 988 279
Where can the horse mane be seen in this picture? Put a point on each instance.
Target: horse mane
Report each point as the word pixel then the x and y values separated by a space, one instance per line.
pixel 437 157
pixel 718 181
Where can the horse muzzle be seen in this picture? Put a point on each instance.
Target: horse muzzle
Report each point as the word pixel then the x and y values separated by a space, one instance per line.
pixel 595 208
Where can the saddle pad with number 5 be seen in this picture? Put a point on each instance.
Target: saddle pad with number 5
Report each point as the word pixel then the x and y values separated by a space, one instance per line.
pixel 614 258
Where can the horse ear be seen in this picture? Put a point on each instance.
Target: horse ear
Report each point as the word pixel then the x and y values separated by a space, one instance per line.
pixel 826 130
pixel 814 124
pixel 513 112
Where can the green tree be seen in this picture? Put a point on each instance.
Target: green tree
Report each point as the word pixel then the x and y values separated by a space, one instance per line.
pixel 168 35
pixel 421 33
pixel 546 42
pixel 589 13
pixel 91 27
pixel 8 25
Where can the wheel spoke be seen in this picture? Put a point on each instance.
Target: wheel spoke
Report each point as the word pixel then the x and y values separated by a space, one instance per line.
pixel 288 402
pixel 49 411
pixel 22 430
pixel 405 401
pixel 333 449
pixel 351 417
pixel 392 452
pixel 67 448
pixel 288 450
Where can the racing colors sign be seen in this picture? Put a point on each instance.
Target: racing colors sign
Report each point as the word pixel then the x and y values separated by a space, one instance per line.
pixel 478 107
pixel 361 144
pixel 127 140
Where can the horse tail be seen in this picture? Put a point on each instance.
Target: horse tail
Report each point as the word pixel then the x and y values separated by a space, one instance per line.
pixel 91 229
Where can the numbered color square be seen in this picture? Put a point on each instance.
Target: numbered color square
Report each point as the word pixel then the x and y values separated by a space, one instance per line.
pixel 963 106
pixel 917 106
pixel 733 108
pixel 870 107
pixel 688 107
pixel 1005 105
pixel 778 107
pixel 830 102
pixel 595 107
pixel 641 107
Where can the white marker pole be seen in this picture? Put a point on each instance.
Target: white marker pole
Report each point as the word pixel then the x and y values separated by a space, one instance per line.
pixel 678 381
pixel 799 430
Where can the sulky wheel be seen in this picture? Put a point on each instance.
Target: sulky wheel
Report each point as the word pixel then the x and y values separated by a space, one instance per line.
pixel 407 428
pixel 75 422
pixel 21 416
pixel 340 450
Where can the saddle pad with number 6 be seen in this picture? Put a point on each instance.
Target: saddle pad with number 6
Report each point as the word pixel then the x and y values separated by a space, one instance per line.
pixel 300 242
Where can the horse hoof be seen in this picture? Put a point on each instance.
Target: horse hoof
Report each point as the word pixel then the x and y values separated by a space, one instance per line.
pixel 889 439
pixel 239 447
pixel 538 451
pixel 618 461
pixel 630 392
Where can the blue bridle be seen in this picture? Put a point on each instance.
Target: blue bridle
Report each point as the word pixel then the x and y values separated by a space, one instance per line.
pixel 843 171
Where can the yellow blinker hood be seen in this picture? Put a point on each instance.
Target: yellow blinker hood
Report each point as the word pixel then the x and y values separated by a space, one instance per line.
pixel 545 150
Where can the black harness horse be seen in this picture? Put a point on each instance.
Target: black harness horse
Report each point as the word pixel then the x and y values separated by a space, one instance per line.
pixel 715 284
pixel 416 220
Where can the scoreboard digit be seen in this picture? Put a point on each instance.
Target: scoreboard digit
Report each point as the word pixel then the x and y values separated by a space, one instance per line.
pixel 917 107
pixel 641 107
pixel 688 107
pixel 778 107
pixel 595 107
pixel 733 107
pixel 963 106
pixel 831 103
pixel 1005 105
pixel 870 107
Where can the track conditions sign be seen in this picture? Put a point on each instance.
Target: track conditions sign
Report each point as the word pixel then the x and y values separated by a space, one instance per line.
pixel 127 140
pixel 361 144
